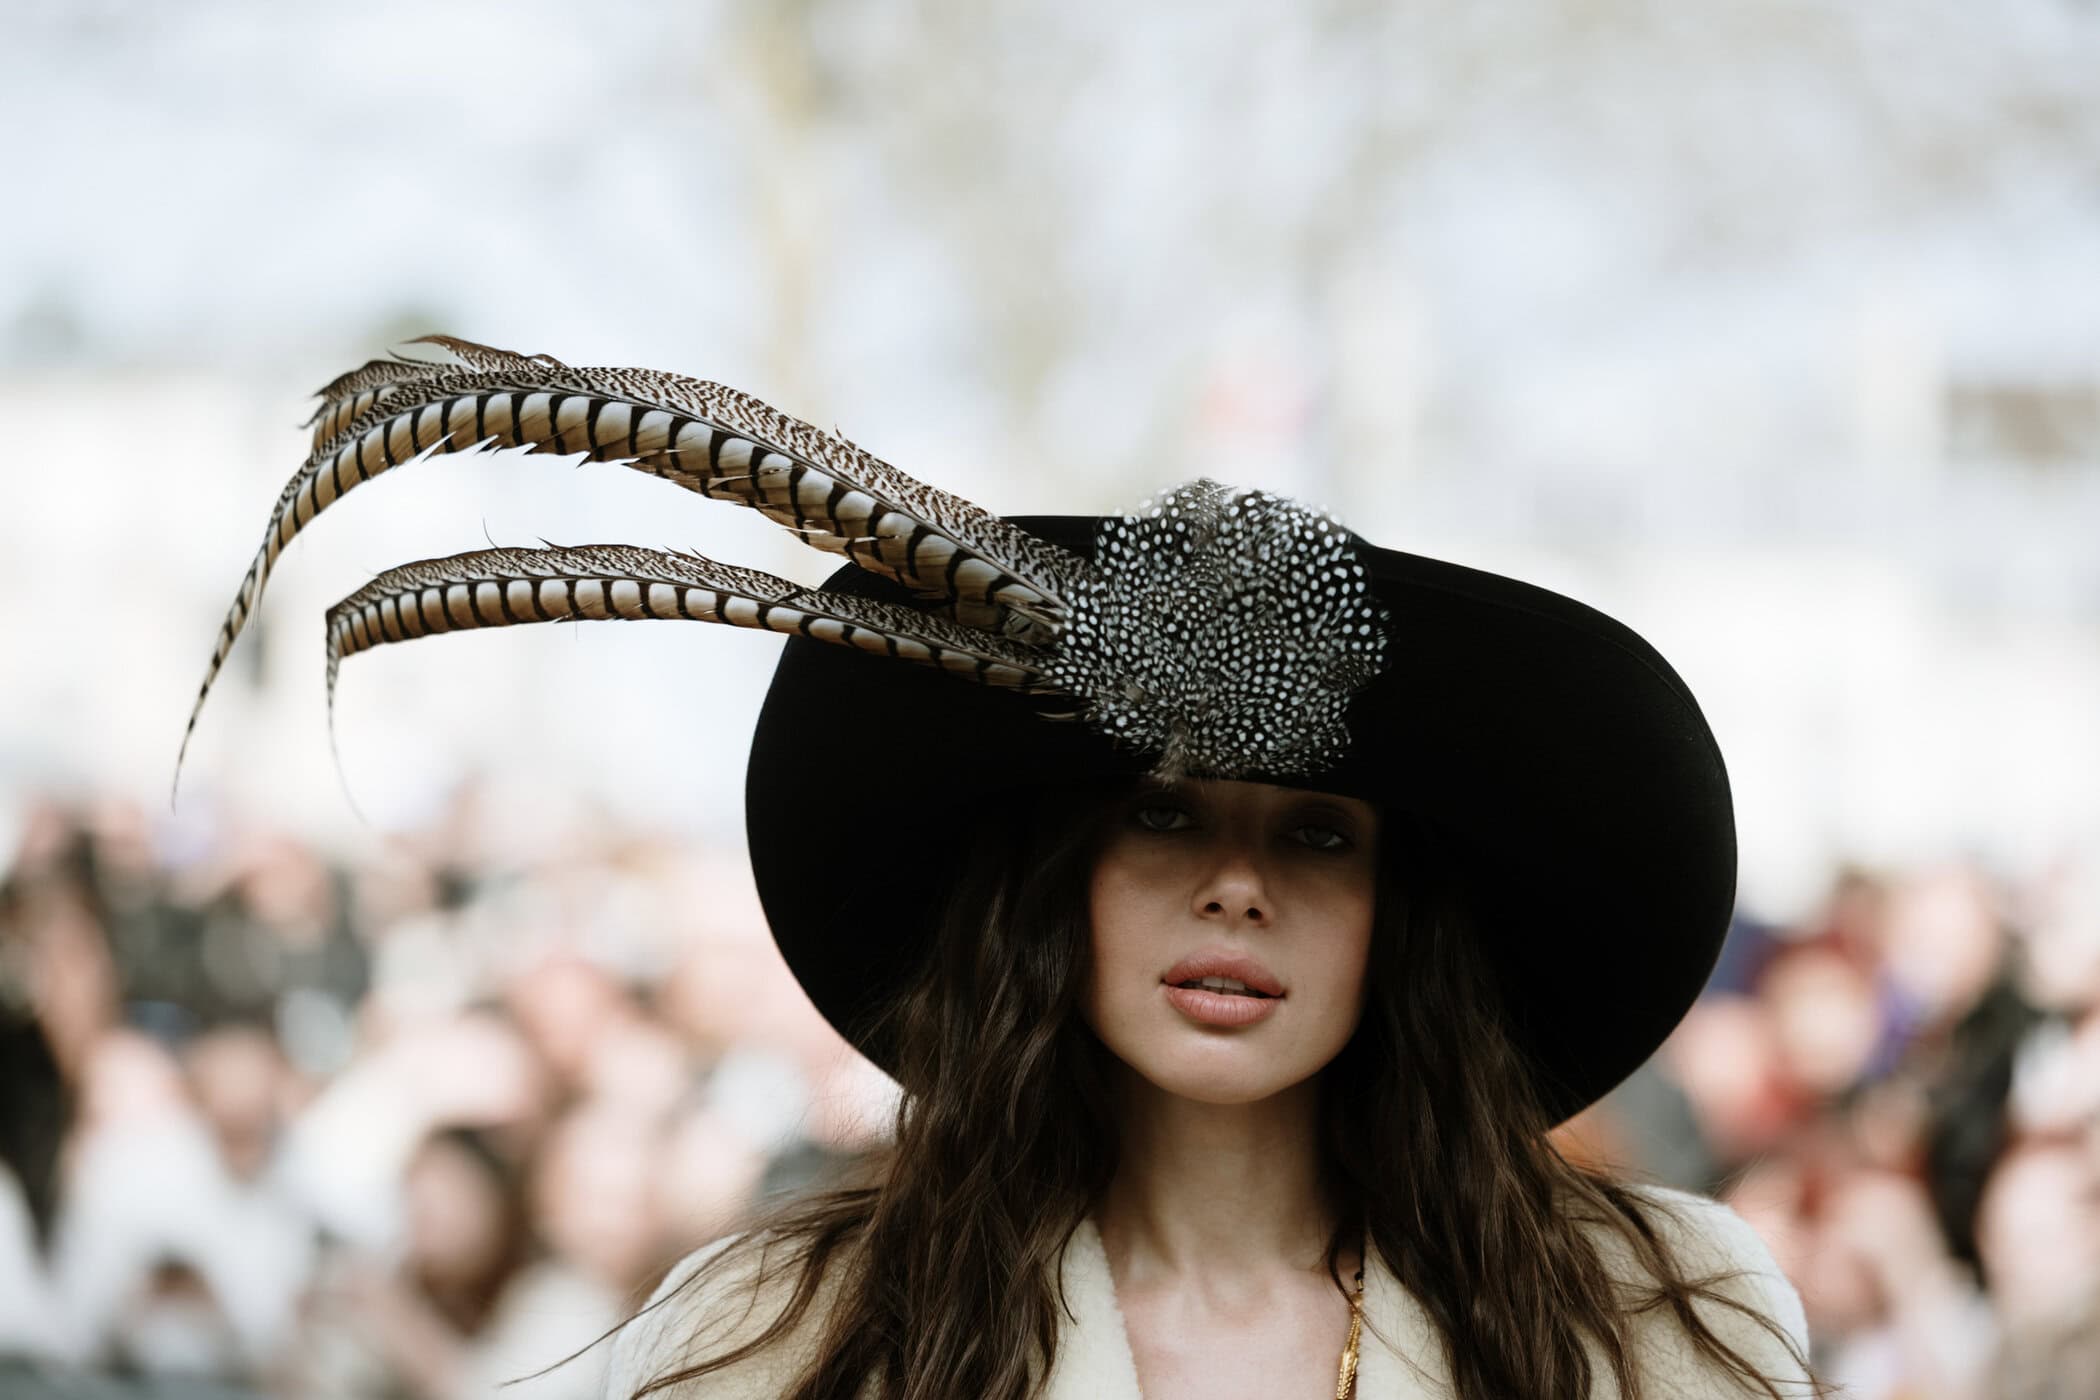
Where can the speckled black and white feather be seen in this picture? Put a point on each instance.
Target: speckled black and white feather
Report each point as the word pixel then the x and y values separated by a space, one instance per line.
pixel 1225 631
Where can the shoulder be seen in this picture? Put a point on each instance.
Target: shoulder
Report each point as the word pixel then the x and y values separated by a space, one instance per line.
pixel 714 1300
pixel 1710 1241
pixel 1708 1238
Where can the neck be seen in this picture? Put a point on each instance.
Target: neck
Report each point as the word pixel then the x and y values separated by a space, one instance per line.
pixel 1201 1188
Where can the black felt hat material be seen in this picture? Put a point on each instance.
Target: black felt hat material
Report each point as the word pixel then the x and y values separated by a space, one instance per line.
pixel 1555 745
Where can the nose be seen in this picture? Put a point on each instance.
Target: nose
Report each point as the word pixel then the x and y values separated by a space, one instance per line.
pixel 1233 891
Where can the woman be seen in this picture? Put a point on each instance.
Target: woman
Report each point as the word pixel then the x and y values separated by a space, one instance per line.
pixel 1231 1018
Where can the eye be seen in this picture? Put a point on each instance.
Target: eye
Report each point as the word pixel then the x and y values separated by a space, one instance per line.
pixel 1154 815
pixel 1322 838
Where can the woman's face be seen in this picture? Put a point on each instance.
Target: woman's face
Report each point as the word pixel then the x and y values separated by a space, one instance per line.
pixel 1266 893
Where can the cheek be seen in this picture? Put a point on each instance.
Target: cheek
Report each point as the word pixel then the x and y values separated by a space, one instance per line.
pixel 1334 983
pixel 1121 911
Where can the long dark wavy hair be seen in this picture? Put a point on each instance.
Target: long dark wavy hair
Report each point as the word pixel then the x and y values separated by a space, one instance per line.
pixel 939 1272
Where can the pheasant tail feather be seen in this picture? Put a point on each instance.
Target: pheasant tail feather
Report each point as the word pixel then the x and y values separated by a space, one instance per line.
pixel 506 587
pixel 971 567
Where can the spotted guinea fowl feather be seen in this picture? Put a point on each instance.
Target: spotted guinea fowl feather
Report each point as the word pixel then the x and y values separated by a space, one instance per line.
pixel 1231 632
pixel 968 563
pixel 614 582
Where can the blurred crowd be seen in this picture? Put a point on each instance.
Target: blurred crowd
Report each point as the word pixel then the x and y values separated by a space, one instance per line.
pixel 1902 1095
pixel 275 1125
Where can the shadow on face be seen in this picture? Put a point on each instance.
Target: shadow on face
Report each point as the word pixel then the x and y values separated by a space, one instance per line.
pixel 1231 931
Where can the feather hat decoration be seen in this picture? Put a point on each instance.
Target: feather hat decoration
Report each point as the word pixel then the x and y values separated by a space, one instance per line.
pixel 1221 632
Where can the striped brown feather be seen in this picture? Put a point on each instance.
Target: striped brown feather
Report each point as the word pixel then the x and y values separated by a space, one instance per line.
pixel 613 582
pixel 971 565
pixel 722 443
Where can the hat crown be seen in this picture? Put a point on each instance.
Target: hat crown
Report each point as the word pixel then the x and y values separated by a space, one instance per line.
pixel 1225 631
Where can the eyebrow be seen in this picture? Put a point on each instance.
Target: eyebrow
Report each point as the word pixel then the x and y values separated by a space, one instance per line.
pixel 1300 804
pixel 1327 807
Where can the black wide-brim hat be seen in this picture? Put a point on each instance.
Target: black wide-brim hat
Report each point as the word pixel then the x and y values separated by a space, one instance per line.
pixel 1213 633
pixel 1552 743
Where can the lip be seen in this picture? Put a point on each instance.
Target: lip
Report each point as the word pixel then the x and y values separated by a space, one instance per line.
pixel 1222 1009
pixel 1223 962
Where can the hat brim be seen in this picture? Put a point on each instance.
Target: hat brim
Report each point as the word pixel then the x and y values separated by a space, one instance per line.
pixel 1551 742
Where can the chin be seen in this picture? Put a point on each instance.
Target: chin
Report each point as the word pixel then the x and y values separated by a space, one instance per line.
pixel 1241 1074
pixel 1221 1094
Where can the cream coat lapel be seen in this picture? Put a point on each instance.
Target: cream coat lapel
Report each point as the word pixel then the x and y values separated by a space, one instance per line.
pixel 1093 1346
pixel 1401 1356
pixel 1093 1353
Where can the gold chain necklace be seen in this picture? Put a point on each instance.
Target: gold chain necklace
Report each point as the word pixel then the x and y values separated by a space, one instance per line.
pixel 1345 1380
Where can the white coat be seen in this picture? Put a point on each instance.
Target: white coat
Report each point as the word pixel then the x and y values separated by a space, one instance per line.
pixel 1401 1356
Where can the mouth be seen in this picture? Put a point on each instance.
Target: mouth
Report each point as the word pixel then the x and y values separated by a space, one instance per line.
pixel 1218 1009
pixel 1227 986
pixel 1225 972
